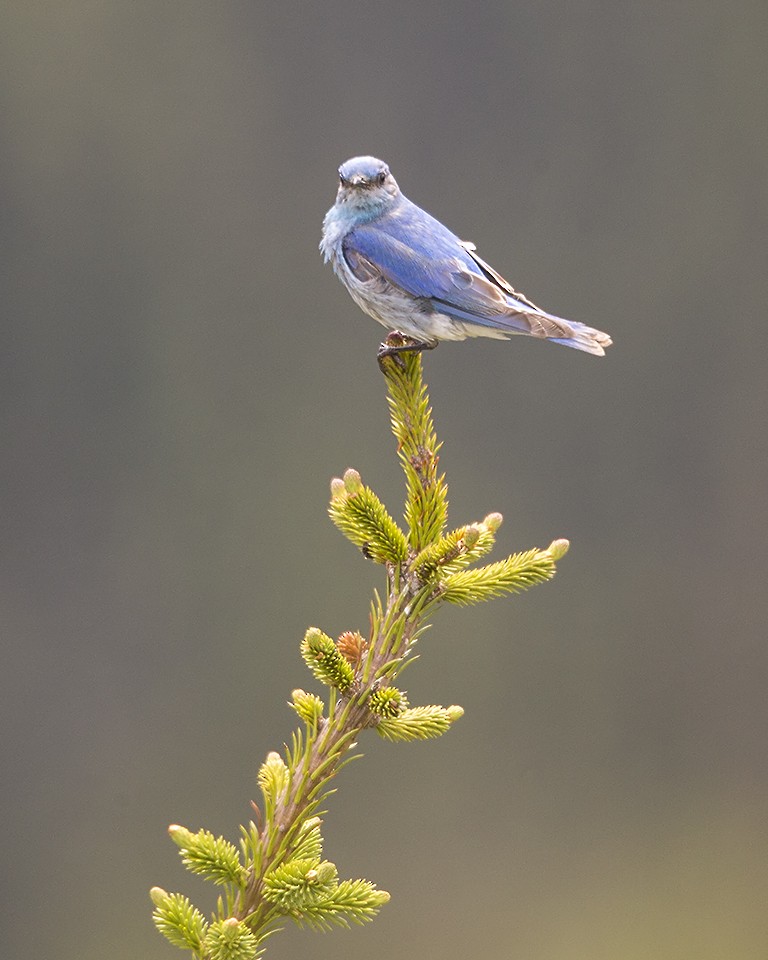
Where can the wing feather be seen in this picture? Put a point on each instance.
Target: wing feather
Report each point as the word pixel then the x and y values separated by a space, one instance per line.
pixel 433 265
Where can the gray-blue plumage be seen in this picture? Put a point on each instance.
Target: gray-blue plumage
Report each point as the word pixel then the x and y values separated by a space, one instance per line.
pixel 409 272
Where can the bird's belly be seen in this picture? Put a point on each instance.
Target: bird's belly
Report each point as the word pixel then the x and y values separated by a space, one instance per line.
pixel 397 310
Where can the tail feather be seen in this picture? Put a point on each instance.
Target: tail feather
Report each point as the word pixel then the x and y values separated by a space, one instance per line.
pixel 570 333
pixel 585 338
pixel 523 316
pixel 533 323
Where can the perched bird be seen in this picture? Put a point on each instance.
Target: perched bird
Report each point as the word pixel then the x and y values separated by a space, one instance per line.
pixel 409 272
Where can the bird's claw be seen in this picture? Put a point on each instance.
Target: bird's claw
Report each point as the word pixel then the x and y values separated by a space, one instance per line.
pixel 398 343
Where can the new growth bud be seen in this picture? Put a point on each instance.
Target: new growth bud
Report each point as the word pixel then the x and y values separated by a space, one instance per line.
pixel 180 835
pixel 158 896
pixel 308 706
pixel 352 646
pixel 325 661
pixel 471 536
pixel 493 521
pixel 558 549
pixel 387 702
pixel 230 940
pixel 352 481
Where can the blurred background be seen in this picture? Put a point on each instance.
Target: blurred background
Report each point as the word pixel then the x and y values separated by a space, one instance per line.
pixel 181 377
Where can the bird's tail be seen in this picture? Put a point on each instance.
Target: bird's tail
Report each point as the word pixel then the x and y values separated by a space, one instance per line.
pixel 525 317
pixel 523 320
pixel 546 326
pixel 585 338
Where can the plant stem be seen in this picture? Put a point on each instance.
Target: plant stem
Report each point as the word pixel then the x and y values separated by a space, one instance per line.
pixel 395 625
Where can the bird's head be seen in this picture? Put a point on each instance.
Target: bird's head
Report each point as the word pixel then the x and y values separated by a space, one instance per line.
pixel 365 183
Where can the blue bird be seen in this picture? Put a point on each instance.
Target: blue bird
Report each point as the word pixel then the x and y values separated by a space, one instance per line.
pixel 409 272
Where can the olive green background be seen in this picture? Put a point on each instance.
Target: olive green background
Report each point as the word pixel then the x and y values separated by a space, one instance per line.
pixel 181 377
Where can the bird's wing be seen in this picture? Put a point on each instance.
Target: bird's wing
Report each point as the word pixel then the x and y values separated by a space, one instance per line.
pixel 373 254
pixel 453 279
pixel 497 277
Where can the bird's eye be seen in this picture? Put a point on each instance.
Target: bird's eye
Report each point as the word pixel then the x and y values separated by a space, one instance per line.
pixel 381 178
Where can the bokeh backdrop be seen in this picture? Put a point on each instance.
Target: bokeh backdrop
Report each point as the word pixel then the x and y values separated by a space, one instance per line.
pixel 181 377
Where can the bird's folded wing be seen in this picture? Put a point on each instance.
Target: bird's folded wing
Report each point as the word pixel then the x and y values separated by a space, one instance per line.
pixel 497 277
pixel 373 254
pixel 462 286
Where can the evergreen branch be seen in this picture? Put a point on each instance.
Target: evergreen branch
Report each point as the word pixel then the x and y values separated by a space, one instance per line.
pixel 309 845
pixel 419 723
pixel 387 702
pixel 518 572
pixel 457 549
pixel 273 780
pixel 363 519
pixel 230 939
pixel 178 920
pixel 354 900
pixel 308 706
pixel 426 502
pixel 279 871
pixel 326 662
pixel 486 538
pixel 300 883
pixel 209 856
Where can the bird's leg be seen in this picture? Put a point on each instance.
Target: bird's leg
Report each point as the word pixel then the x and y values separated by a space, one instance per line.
pixel 397 343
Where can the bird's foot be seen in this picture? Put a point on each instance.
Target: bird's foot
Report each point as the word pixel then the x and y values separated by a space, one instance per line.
pixel 397 343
